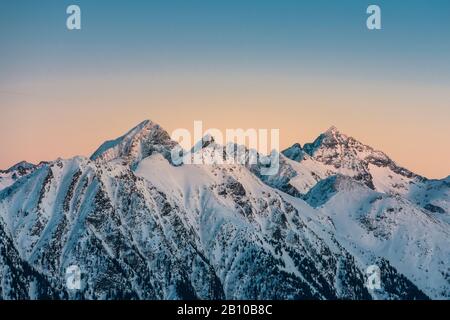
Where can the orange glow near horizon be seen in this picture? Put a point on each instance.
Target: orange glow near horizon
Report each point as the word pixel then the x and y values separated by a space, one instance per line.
pixel 40 126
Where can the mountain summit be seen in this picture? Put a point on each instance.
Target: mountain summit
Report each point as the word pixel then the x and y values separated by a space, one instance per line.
pixel 345 155
pixel 138 143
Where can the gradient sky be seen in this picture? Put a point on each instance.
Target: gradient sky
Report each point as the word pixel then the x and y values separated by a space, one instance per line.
pixel 300 66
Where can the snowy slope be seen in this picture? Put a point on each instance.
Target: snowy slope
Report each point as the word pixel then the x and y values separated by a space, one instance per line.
pixel 372 224
pixel 18 280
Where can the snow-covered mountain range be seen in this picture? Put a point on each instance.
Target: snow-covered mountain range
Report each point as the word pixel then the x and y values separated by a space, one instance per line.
pixel 140 227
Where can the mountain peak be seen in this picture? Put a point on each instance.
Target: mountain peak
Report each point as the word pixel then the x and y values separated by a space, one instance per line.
pixel 333 133
pixel 140 142
pixel 332 129
pixel 142 125
pixel 21 165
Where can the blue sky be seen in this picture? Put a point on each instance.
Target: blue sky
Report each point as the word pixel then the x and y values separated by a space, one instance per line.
pixel 144 35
